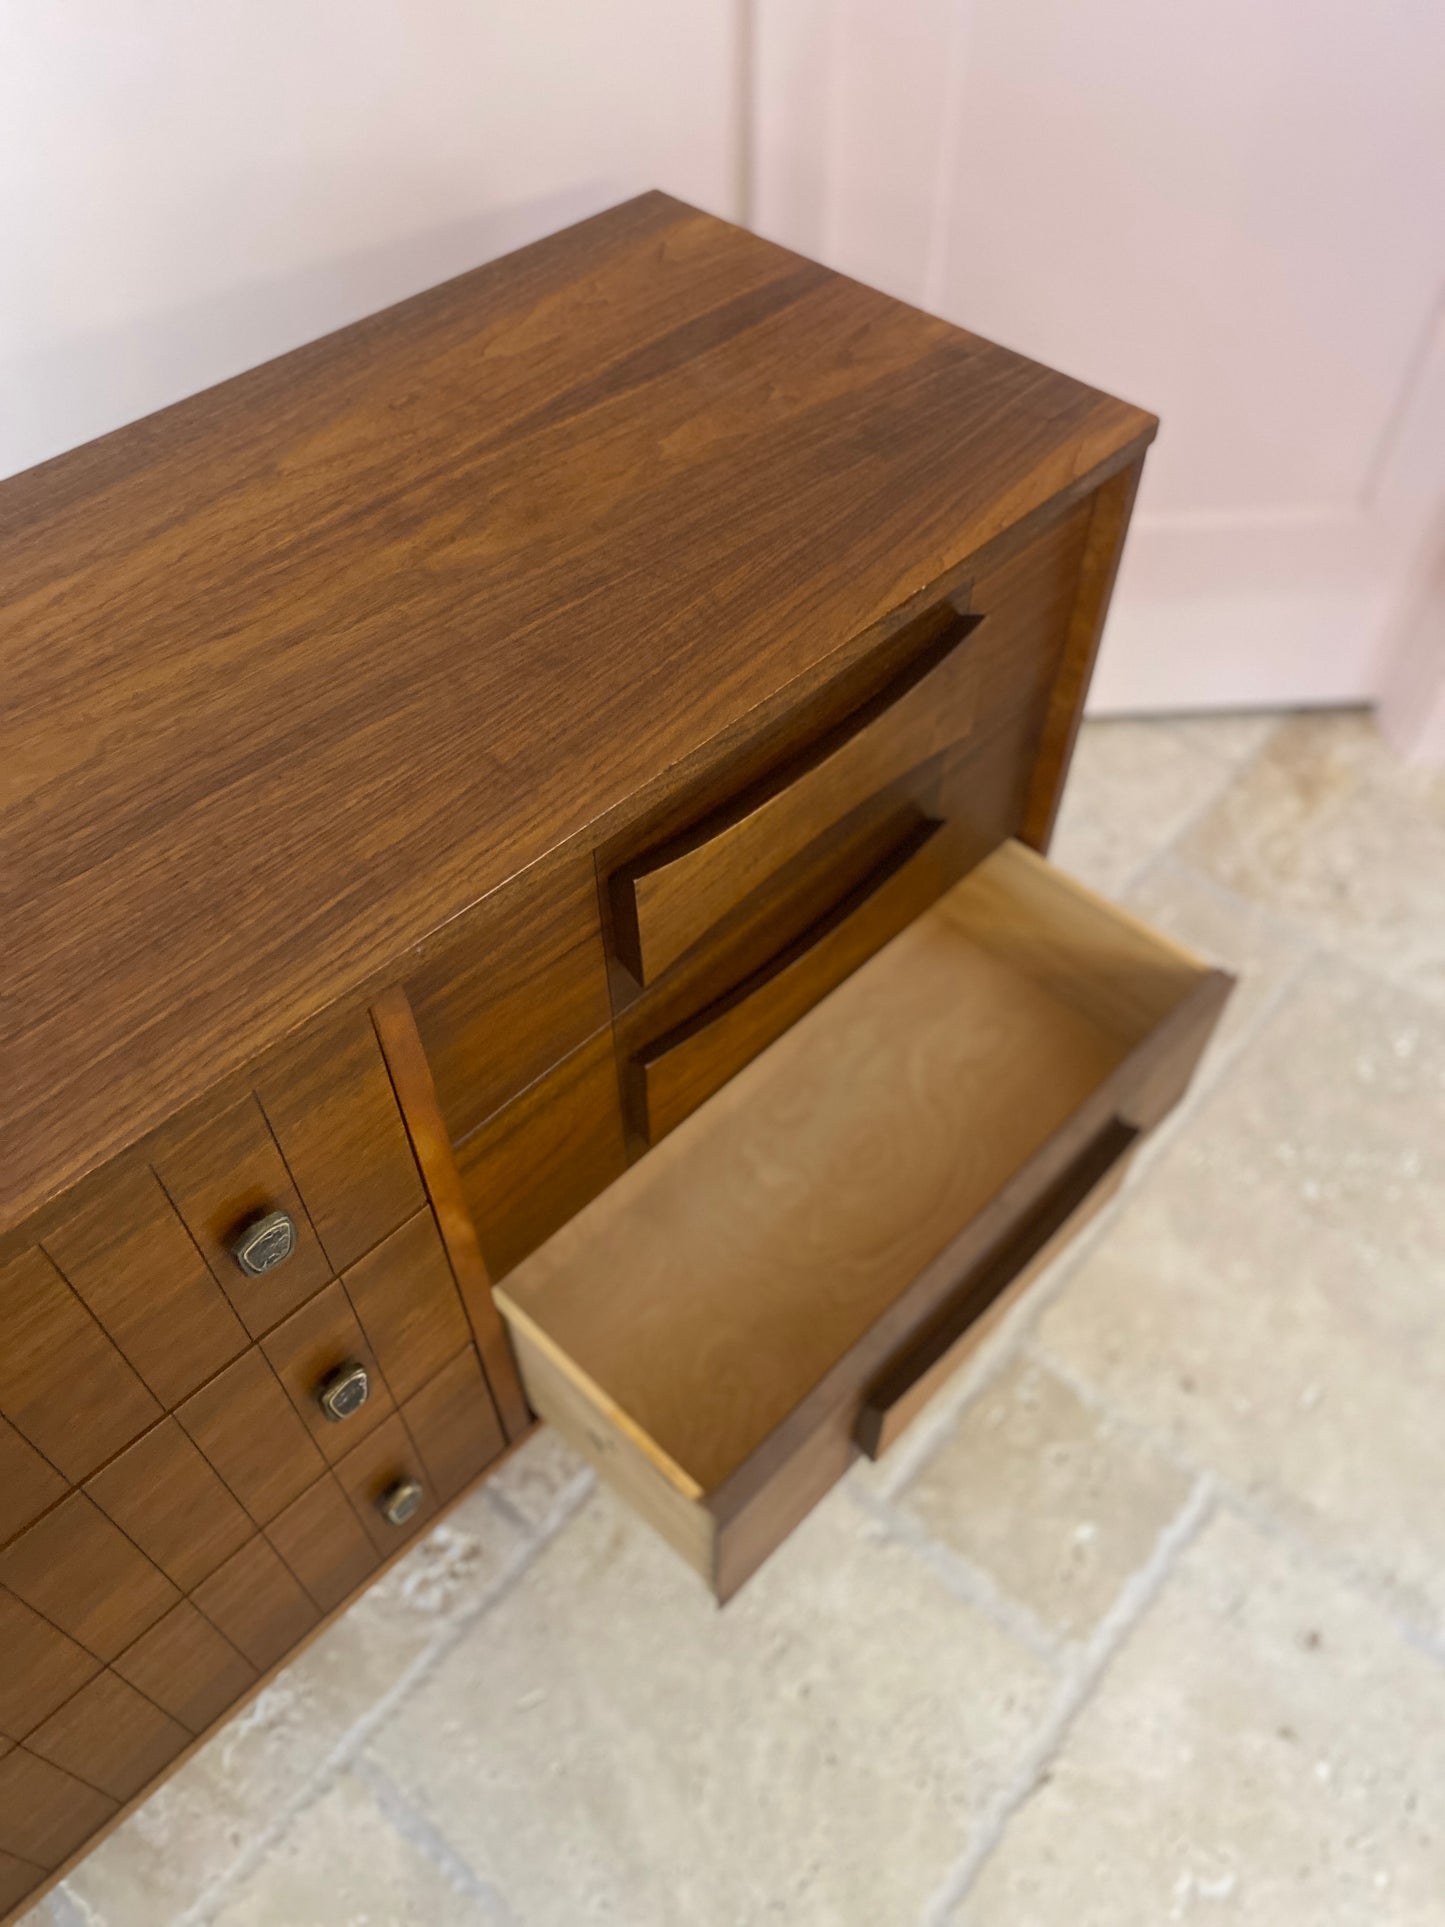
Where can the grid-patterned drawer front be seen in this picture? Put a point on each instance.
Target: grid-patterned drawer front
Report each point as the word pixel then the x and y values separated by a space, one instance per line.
pixel 257 1603
pixel 135 1611
pixel 331 1107
pixel 250 1432
pixel 164 1494
pixel 27 1483
pixel 223 1174
pixel 42 1667
pixel 79 1571
pixel 110 1736
pixel 317 1346
pixel 180 1502
pixel 454 1424
pixel 45 1812
pixel 323 1542
pixel 407 1301
pixel 63 1385
pixel 129 1298
pixel 187 1668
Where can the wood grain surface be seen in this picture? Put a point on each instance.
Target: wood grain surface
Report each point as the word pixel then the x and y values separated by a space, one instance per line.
pixel 708 1331
pixel 299 669
pixel 1057 1217
pixel 411 1075
pixel 407 1301
pixel 710 1289
pixel 666 902
pixel 186 1667
pixel 671 1076
pixel 454 1425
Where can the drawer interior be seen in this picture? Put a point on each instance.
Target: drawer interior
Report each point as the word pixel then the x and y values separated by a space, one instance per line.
pixel 772 1246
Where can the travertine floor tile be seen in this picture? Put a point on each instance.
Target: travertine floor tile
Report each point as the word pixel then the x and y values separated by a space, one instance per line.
pixel 200 1821
pixel 1132 789
pixel 608 1746
pixel 1054 1501
pixel 1262 951
pixel 1326 826
pixel 541 1479
pixel 1296 1361
pixel 1232 735
pixel 1264 1751
pixel 1339 1101
pixel 343 1864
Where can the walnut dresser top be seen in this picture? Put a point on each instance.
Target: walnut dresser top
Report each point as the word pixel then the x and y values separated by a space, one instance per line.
pixel 298 669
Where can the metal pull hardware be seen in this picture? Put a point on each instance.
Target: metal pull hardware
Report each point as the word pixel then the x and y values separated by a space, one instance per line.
pixel 400 1501
pixel 343 1392
pixel 263 1243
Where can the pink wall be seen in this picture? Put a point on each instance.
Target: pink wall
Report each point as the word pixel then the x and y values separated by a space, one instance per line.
pixel 1232 213
pixel 188 189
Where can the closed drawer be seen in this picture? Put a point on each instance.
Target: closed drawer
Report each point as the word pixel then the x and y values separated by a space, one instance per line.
pixel 711 1329
pixel 518 986
pixel 132 1295
pixel 545 1155
pixel 667 1077
pixel 317 1146
pixel 668 900
pixel 137 1610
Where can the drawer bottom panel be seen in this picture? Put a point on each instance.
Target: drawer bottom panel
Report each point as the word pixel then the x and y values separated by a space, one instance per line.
pixel 782 1279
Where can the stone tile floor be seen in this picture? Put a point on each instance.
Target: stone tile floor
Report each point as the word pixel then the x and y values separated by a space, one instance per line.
pixel 1144 1622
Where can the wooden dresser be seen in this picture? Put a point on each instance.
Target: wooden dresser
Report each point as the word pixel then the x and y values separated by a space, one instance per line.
pixel 521 844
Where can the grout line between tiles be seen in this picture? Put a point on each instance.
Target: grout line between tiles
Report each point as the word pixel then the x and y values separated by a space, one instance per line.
pixel 1351 1578
pixel 1133 1602
pixel 1174 723
pixel 1255 1512
pixel 563 1505
pixel 960 1577
pixel 69 1910
pixel 1232 774
pixel 418 1830
pixel 1098 1402
pixel 359 1733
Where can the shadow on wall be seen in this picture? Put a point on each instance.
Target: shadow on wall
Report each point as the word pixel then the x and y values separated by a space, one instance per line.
pixel 86 385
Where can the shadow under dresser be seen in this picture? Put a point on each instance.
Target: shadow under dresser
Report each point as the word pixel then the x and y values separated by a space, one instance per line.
pixel 523 851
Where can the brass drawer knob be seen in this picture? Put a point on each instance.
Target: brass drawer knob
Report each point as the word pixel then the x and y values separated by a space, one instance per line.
pixel 400 1501
pixel 343 1392
pixel 263 1243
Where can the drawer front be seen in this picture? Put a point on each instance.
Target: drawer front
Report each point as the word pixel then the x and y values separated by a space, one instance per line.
pixel 135 1611
pixel 530 1168
pixel 65 1387
pixel 329 1103
pixel 1060 1212
pixel 671 897
pixel 131 1299
pixel 325 1366
pixel 520 985
pixel 177 1509
pixel 809 921
pixel 666 1079
pixel 454 1424
pixel 320 1139
pixel 847 1206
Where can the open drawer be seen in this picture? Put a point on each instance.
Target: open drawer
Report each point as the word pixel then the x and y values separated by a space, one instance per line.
pixel 782 1280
